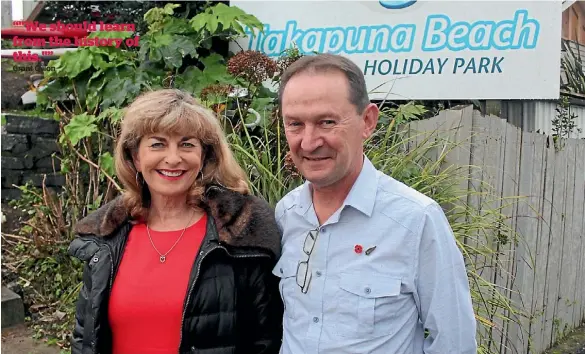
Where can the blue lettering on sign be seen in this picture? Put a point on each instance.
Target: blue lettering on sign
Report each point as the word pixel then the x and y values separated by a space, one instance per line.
pixel 520 32
pixel 396 4
pixel 433 66
pixel 405 66
pixel 440 33
pixel 350 40
pixel 483 65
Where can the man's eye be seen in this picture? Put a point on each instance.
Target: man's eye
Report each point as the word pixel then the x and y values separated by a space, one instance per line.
pixel 293 125
pixel 328 122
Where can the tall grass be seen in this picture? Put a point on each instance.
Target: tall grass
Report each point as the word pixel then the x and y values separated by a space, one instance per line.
pixel 419 161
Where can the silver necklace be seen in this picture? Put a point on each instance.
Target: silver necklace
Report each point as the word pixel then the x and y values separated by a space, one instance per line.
pixel 163 257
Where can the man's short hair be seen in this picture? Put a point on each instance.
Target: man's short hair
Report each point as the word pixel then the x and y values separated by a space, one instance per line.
pixel 320 63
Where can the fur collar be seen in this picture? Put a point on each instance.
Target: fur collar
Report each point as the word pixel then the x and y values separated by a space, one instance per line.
pixel 241 220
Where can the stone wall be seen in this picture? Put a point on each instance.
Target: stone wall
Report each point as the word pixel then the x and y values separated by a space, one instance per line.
pixel 28 146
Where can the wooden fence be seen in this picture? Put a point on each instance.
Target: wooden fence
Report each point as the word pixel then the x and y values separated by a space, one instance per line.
pixel 542 193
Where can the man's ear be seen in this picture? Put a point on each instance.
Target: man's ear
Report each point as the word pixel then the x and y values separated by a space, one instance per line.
pixel 371 115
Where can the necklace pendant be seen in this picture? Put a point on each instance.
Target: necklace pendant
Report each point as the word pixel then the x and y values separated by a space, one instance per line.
pixel 163 259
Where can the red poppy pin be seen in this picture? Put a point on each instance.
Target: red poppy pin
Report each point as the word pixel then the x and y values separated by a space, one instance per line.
pixel 358 249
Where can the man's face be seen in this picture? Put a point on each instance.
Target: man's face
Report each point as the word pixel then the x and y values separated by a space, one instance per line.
pixel 324 130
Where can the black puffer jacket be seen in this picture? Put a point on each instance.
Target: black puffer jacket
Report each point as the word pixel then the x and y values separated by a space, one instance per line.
pixel 232 305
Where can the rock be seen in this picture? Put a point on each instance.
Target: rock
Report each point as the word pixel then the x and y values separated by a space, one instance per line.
pixel 11 194
pixel 43 147
pixel 15 144
pixel 14 85
pixel 16 124
pixel 17 163
pixel 10 178
pixel 12 308
pixel 14 219
pixel 52 179
pixel 46 164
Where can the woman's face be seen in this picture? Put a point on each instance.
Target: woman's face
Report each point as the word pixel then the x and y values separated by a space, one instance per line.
pixel 169 163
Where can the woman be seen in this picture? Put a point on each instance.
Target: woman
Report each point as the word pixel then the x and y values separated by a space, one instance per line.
pixel 181 262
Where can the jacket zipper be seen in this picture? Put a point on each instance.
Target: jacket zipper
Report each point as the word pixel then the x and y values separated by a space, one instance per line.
pixel 197 276
pixel 111 268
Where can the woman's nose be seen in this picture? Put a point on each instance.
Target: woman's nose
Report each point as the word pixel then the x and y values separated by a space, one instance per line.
pixel 173 157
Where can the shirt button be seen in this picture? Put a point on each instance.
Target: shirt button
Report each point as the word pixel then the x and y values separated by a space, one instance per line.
pixel 368 290
pixel 281 271
pixel 315 319
pixel 323 229
pixel 318 273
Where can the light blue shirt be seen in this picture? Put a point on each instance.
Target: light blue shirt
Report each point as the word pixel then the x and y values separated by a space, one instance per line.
pixel 380 303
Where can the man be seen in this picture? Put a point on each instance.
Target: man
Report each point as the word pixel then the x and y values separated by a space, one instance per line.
pixel 368 264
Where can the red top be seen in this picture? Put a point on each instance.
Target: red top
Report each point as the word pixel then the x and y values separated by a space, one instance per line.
pixel 146 304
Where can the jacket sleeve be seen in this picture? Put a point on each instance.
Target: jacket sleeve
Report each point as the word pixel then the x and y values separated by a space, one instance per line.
pixel 443 289
pixel 80 312
pixel 264 311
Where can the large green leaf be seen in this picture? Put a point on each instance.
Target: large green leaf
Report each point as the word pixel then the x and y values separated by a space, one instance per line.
pixel 74 64
pixel 171 56
pixel 106 162
pixel 161 40
pixel 80 127
pixel 212 23
pixel 101 64
pixel 198 22
pixel 214 65
pixel 177 26
pixel 184 45
pixel 111 114
pixel 194 79
pixel 169 9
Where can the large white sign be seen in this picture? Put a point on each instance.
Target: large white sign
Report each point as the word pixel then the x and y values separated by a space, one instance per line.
pixel 425 49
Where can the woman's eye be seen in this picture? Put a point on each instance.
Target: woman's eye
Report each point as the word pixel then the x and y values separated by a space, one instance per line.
pixel 156 145
pixel 189 145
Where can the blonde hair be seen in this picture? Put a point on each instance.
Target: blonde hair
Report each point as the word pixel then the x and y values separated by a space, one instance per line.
pixel 172 111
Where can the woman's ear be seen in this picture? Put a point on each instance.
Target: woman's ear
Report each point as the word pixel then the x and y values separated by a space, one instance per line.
pixel 136 161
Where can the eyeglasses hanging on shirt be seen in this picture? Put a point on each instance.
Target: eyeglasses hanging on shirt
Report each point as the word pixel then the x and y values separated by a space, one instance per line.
pixel 303 272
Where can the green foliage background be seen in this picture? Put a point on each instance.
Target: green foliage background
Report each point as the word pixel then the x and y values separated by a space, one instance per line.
pixel 88 90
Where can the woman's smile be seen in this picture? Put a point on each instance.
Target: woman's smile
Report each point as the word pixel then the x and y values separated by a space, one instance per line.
pixel 171 175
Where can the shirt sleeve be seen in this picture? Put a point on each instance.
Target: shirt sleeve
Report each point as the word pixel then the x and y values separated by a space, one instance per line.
pixel 445 306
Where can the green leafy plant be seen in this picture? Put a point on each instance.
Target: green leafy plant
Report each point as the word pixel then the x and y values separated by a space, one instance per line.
pixel 402 113
pixel 572 65
pixel 564 122
pixel 36 260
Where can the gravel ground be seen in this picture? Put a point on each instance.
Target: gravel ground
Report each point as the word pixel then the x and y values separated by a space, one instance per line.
pixel 18 340
pixel 574 343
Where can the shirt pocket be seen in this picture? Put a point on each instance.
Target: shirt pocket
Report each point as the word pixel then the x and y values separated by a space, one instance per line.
pixel 367 304
pixel 287 286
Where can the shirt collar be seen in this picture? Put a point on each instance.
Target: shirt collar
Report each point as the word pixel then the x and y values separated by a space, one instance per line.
pixel 362 195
